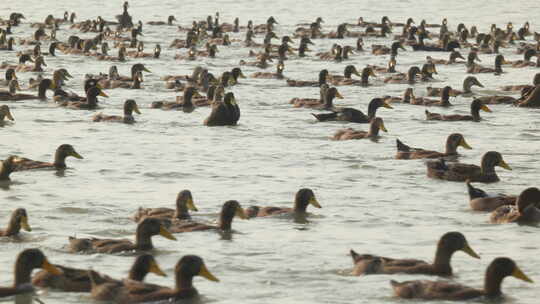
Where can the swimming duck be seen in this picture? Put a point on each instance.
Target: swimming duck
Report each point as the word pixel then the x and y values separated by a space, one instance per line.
pixel 184 203
pixel 530 98
pixel 383 50
pixel 536 82
pixel 10 75
pixel 364 78
pixel 7 166
pixel 442 290
pixel 35 68
pixel 186 102
pixel 236 73
pixel 326 102
pixel 349 133
pixel 147 228
pixel 454 55
pixel 23 58
pixel 390 68
pixel 479 200
pixel 499 61
pixel 409 78
pixel 91 100
pixel 62 152
pixel 63 96
pixel 226 113
pixel 524 212
pixel 78 280
pixel 187 267
pixel 526 62
pixel 229 210
pixel 5 113
pixel 303 198
pixel 27 260
pixel 448 244
pixel 323 78
pixel 353 115
pixel 130 106
pixel 468 83
pixel 476 106
pixel 169 21
pixel 278 75
pixel 408 97
pixel 261 63
pixel 453 141
pixel 458 172
pixel 444 101
pixel 18 220
pixel 347 74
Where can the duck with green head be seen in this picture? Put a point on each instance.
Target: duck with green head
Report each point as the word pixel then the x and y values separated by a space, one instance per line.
pixel 453 141
pixel 476 106
pixel 59 163
pixel 303 198
pixel 375 126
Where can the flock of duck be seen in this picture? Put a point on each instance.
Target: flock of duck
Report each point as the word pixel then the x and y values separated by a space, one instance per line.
pixel 213 34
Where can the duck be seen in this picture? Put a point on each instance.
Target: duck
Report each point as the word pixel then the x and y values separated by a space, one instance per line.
pixel 130 106
pixel 326 102
pixel 530 99
pixel 449 243
pixel 408 97
pixel 10 75
pixel 63 96
pixel 497 270
pixel 383 50
pixel 303 198
pixel 147 228
pixel 62 152
pixel 126 291
pixel 459 172
pixel 373 133
pixel 226 113
pixel 91 100
pixel 476 106
pixel 37 67
pixel 525 211
pixel 526 62
pixel 354 115
pixel 237 73
pixel 11 93
pixel 23 58
pixel 261 63
pixel 5 113
pixel 453 141
pixel 479 200
pixel 186 102
pixel 169 21
pixel 390 68
pixel 184 203
pixel 497 99
pixel 78 280
pixel 468 83
pixel 364 78
pixel 278 75
pixel 536 82
pixel 18 221
pixel 230 209
pixel 499 61
pixel 27 260
pixel 444 101
pixel 452 59
pixel 409 78
pixel 324 76
pixel 7 166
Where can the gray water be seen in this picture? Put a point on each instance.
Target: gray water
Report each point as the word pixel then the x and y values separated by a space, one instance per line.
pixel 371 202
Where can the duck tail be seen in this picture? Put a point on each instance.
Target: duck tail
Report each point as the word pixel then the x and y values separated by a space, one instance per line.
pixel 95 278
pixel 401 146
pixel 355 256
pixel 325 116
pixel 474 192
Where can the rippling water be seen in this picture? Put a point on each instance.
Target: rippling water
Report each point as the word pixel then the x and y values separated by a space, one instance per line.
pixel 371 202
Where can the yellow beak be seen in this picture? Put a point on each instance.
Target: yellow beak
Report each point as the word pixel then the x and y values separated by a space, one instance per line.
pixel 517 273
pixel 313 201
pixel 206 274
pixel 166 234
pixel 485 108
pixel 136 109
pixel 241 213
pixel 387 106
pixel 504 165
pixel 154 268
pixel 338 95
pixel 191 205
pixel 50 268
pixel 464 144
pixel 101 93
pixel 382 127
pixel 468 250
pixel 24 224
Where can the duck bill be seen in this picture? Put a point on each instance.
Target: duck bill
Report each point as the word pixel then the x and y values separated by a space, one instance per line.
pixel 517 273
pixel 386 105
pixel 485 108
pixel 371 73
pixel 101 93
pixel 338 95
pixel 241 213
pixel 154 268
pixel 504 165
pixel 383 128
pixel 313 201
pixel 24 224
pixel 76 155
pixel 191 205
pixel 166 234
pixel 146 70
pixel 464 144
pixel 207 274
pixel 197 94
pixel 468 250
pixel 50 268
pixel 9 116
pixel 136 109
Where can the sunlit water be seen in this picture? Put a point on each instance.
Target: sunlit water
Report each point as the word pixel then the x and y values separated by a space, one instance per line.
pixel 371 202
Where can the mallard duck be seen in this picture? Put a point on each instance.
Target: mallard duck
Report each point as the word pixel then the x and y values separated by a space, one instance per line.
pixel 10 75
pixel 23 58
pixel 9 45
pixel 448 244
pixel 27 260
pixel 526 62
pixel 187 267
pixel 5 113
pixel 468 83
pixel 347 74
pixel 62 152
pixel 346 134
pixel 409 78
pixel 383 50
pixel 479 200
pixel 35 68
pixel 169 21
pixel 442 290
pixel 91 100
pixel 63 96
pixel 353 115
pixel 226 113
pixel 184 203
pixel 229 210
pixel 497 99
pixel 453 141
pixel 364 78
pixel 524 212
pixel 444 101
pixel 391 68
pixel 452 59
pixel 236 73
pixel 18 220
pixel 44 85
pixel 130 106
pixel 326 103
pixel 303 198
pixel 7 166
pixel 408 97
pixel 536 82
pixel 78 280
pixel 458 172
pixel 531 99
pixel 147 228
pixel 323 78
pixel 186 102
pixel 499 61
pixel 278 75
pixel 476 106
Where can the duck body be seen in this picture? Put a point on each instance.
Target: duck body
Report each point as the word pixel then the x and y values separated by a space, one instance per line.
pixel 62 152
pixel 303 198
pixel 452 143
pixel 373 133
pixel 524 212
pixel 479 200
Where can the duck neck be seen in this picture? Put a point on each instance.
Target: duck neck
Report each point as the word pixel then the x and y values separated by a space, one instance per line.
pixel 442 261
pixel 185 282
pixel 373 130
pixel 181 212
pixel 91 101
pixel 137 272
pixel 60 160
pixel 300 206
pixel 451 148
pixel 365 78
pixel 498 67
pixel 329 102
pixel 143 240
pixel 42 89
pixel 445 98
pixel 5 171
pixel 225 221
pixel 475 113
pixel 372 110
pixel 14 226
pixel 467 85
pixel 322 79
pixel 492 284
